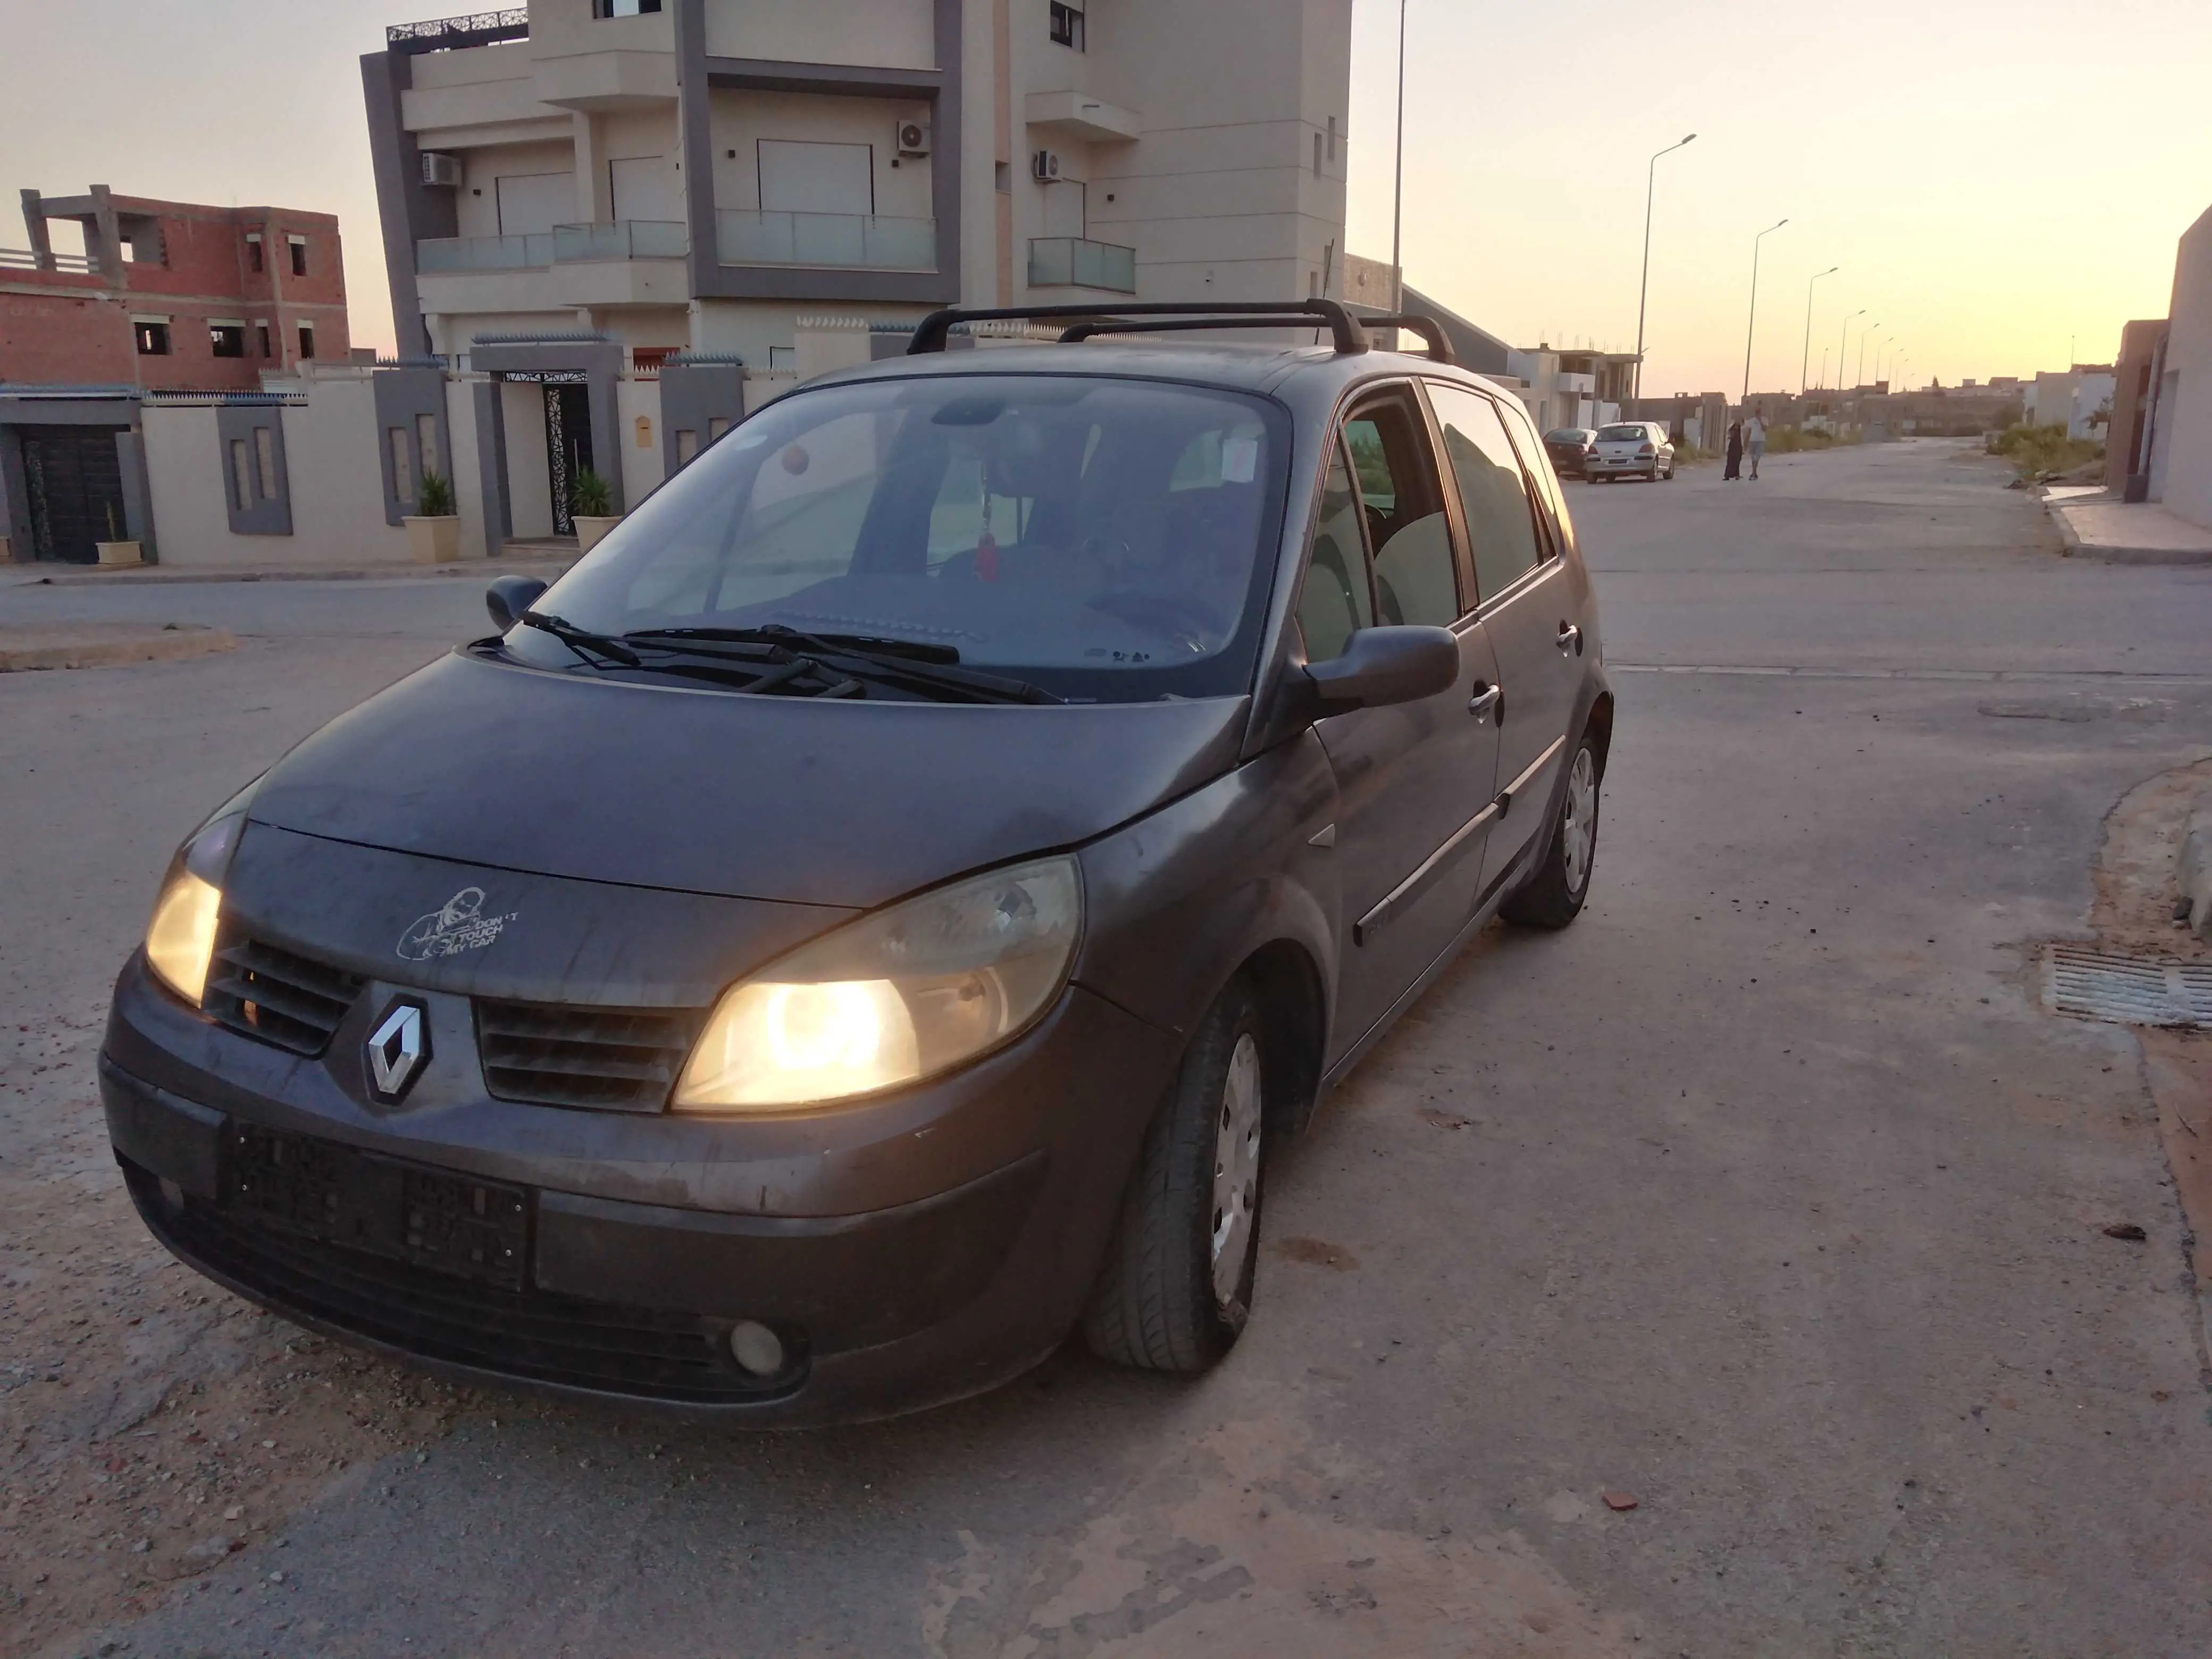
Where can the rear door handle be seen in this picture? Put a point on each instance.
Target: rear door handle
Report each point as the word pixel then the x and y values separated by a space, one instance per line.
pixel 1485 701
pixel 1571 638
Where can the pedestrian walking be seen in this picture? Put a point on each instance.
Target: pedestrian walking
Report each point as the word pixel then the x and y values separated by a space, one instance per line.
pixel 1754 439
pixel 1734 468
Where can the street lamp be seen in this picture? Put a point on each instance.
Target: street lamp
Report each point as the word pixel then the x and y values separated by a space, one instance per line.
pixel 1842 340
pixel 1859 379
pixel 1751 327
pixel 1398 187
pixel 1806 361
pixel 1643 288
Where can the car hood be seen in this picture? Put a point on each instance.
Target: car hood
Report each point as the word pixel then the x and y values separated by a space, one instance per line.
pixel 831 803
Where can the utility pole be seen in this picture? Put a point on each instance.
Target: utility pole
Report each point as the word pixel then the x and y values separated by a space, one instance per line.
pixel 1842 340
pixel 1643 288
pixel 1751 328
pixel 1398 188
pixel 1860 378
pixel 1806 361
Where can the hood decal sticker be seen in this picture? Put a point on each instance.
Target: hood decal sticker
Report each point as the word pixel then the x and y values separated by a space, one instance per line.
pixel 457 925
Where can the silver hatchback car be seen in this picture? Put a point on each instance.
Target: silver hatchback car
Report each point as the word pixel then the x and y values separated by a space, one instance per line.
pixel 1634 449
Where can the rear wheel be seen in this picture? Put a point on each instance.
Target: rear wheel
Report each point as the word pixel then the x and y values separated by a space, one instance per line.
pixel 1175 1287
pixel 1553 897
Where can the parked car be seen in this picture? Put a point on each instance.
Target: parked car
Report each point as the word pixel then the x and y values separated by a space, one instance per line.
pixel 1632 448
pixel 1570 448
pixel 889 902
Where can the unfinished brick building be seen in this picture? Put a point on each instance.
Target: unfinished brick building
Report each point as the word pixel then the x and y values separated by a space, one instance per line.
pixel 170 295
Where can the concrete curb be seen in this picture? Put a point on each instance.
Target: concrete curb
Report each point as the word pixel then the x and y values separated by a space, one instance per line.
pixel 2075 548
pixel 97 646
pixel 2194 867
pixel 154 576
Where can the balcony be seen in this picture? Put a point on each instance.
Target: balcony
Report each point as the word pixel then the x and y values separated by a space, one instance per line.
pixel 1584 384
pixel 630 238
pixel 439 256
pixel 839 242
pixel 1077 261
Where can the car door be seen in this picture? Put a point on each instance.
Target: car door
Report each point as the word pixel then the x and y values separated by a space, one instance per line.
pixel 1414 779
pixel 1528 612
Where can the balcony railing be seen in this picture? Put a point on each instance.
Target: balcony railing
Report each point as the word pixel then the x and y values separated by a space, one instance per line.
pixel 441 255
pixel 628 239
pixel 481 28
pixel 1077 261
pixel 23 258
pixel 845 241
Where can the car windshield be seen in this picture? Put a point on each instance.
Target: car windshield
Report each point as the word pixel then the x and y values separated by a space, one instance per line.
pixel 1568 434
pixel 1623 434
pixel 1101 539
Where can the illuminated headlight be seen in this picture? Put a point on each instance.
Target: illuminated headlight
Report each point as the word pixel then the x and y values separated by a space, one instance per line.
pixel 181 937
pixel 902 995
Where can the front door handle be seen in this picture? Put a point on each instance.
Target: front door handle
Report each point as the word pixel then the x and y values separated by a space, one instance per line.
pixel 1485 701
pixel 1571 639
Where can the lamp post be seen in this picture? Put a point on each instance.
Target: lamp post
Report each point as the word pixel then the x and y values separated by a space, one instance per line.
pixel 1751 327
pixel 1842 341
pixel 1643 288
pixel 1806 361
pixel 1398 187
pixel 1859 379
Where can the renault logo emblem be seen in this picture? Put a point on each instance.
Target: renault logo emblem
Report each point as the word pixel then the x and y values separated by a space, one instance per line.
pixel 399 1048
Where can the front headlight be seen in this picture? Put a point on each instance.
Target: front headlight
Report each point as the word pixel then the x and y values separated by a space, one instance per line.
pixel 181 935
pixel 893 997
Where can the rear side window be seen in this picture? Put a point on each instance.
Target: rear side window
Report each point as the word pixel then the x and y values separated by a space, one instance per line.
pixel 1492 490
pixel 1333 605
pixel 1416 577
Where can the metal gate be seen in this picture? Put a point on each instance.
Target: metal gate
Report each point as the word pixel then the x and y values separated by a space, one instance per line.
pixel 73 478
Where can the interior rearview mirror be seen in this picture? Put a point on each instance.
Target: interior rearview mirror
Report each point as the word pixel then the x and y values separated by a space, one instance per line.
pixel 508 596
pixel 1383 666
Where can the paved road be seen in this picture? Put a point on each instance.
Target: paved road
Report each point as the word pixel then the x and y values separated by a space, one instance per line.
pixel 1766 1196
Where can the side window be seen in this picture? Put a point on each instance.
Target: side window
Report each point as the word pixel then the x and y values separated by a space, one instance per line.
pixel 1499 523
pixel 1333 605
pixel 1416 577
pixel 1538 466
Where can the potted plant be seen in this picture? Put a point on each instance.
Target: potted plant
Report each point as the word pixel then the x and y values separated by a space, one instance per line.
pixel 591 508
pixel 115 550
pixel 433 533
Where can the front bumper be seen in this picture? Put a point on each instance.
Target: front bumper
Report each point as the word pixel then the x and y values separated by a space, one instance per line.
pixel 908 1250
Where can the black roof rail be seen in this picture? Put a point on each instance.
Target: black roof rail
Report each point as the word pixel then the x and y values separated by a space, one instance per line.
pixel 1344 328
pixel 1440 349
pixel 1075 333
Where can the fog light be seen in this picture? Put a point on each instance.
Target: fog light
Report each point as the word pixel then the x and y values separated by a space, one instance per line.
pixel 756 1348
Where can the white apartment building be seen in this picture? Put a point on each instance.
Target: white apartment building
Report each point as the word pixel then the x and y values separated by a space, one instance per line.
pixel 698 175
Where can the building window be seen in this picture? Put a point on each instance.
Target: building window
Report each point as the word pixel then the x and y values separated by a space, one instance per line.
pixel 306 339
pixel 261 329
pixel 153 339
pixel 227 339
pixel 253 260
pixel 1067 26
pixel 299 256
pixel 623 7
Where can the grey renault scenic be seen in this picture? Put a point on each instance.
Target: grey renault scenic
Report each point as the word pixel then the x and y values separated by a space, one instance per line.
pixel 882 908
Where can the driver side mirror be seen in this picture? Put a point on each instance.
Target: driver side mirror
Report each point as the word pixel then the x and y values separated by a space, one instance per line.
pixel 1382 665
pixel 508 596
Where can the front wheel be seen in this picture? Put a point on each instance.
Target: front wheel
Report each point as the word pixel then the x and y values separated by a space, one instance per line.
pixel 1553 897
pixel 1176 1286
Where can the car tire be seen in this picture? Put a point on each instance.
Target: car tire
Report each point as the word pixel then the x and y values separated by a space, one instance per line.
pixel 1553 897
pixel 1654 474
pixel 1176 1286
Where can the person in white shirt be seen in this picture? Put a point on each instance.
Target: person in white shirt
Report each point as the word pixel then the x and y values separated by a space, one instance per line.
pixel 1754 439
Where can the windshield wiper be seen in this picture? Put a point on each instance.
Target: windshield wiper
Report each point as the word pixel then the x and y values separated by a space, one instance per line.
pixel 582 640
pixel 883 659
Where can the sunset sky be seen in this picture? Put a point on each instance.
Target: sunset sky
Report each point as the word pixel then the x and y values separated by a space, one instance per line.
pixel 1995 180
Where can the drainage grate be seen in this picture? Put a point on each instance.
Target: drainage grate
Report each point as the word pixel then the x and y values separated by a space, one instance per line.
pixel 2129 990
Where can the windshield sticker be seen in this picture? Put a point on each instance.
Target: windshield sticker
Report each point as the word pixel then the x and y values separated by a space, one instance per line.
pixel 457 925
pixel 1240 459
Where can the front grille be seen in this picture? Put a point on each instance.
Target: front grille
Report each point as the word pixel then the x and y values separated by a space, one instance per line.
pixel 522 1333
pixel 280 998
pixel 612 1060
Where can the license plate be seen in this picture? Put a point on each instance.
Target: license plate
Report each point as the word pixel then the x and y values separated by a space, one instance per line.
pixel 386 1206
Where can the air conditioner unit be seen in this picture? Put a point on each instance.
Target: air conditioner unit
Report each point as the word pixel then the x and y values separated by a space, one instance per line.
pixel 441 169
pixel 1045 166
pixel 914 138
